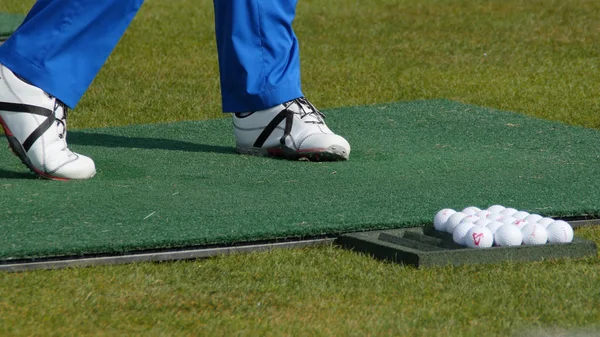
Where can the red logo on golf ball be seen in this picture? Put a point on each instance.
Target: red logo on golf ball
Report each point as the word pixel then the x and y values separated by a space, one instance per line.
pixel 477 238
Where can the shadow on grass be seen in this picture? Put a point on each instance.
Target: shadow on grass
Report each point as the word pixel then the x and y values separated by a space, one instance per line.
pixel 104 140
pixel 17 175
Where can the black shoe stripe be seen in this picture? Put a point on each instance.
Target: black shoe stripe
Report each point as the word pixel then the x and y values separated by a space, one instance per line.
pixel 262 138
pixel 37 133
pixel 288 127
pixel 32 109
pixel 17 107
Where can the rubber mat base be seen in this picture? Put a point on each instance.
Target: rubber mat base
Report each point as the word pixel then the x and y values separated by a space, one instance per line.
pixel 425 247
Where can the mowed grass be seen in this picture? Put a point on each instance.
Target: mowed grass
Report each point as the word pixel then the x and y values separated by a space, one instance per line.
pixel 308 292
pixel 536 57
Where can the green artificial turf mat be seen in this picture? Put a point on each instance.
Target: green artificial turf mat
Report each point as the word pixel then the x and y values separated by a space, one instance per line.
pixel 9 23
pixel 181 184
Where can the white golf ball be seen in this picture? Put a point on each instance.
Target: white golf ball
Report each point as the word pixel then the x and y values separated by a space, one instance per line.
pixel 483 213
pixel 534 234
pixel 545 222
pixel 459 232
pixel 533 218
pixel 496 208
pixel 508 220
pixel 560 232
pixel 520 223
pixel 470 210
pixel 482 222
pixel 508 211
pixel 454 221
pixel 520 215
pixel 470 218
pixel 496 217
pixel 508 236
pixel 479 237
pixel 494 225
pixel 439 221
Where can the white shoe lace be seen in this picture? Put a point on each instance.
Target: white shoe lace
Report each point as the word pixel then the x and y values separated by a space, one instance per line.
pixel 60 119
pixel 60 116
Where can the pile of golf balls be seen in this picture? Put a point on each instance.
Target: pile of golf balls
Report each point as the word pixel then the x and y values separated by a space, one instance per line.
pixel 501 226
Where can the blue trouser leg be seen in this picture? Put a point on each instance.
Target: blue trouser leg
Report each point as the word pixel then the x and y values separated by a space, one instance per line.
pixel 258 51
pixel 62 44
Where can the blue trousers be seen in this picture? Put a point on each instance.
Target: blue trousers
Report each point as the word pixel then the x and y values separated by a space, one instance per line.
pixel 62 44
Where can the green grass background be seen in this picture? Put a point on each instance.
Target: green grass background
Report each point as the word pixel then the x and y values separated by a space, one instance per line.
pixel 535 57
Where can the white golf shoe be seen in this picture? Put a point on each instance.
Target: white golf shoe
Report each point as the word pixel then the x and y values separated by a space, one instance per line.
pixel 35 125
pixel 292 130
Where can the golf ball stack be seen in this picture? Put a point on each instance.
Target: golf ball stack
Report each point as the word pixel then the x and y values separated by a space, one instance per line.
pixel 501 226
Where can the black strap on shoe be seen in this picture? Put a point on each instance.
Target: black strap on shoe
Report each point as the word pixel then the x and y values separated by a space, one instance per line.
pixel 32 109
pixel 286 114
pixel 289 120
